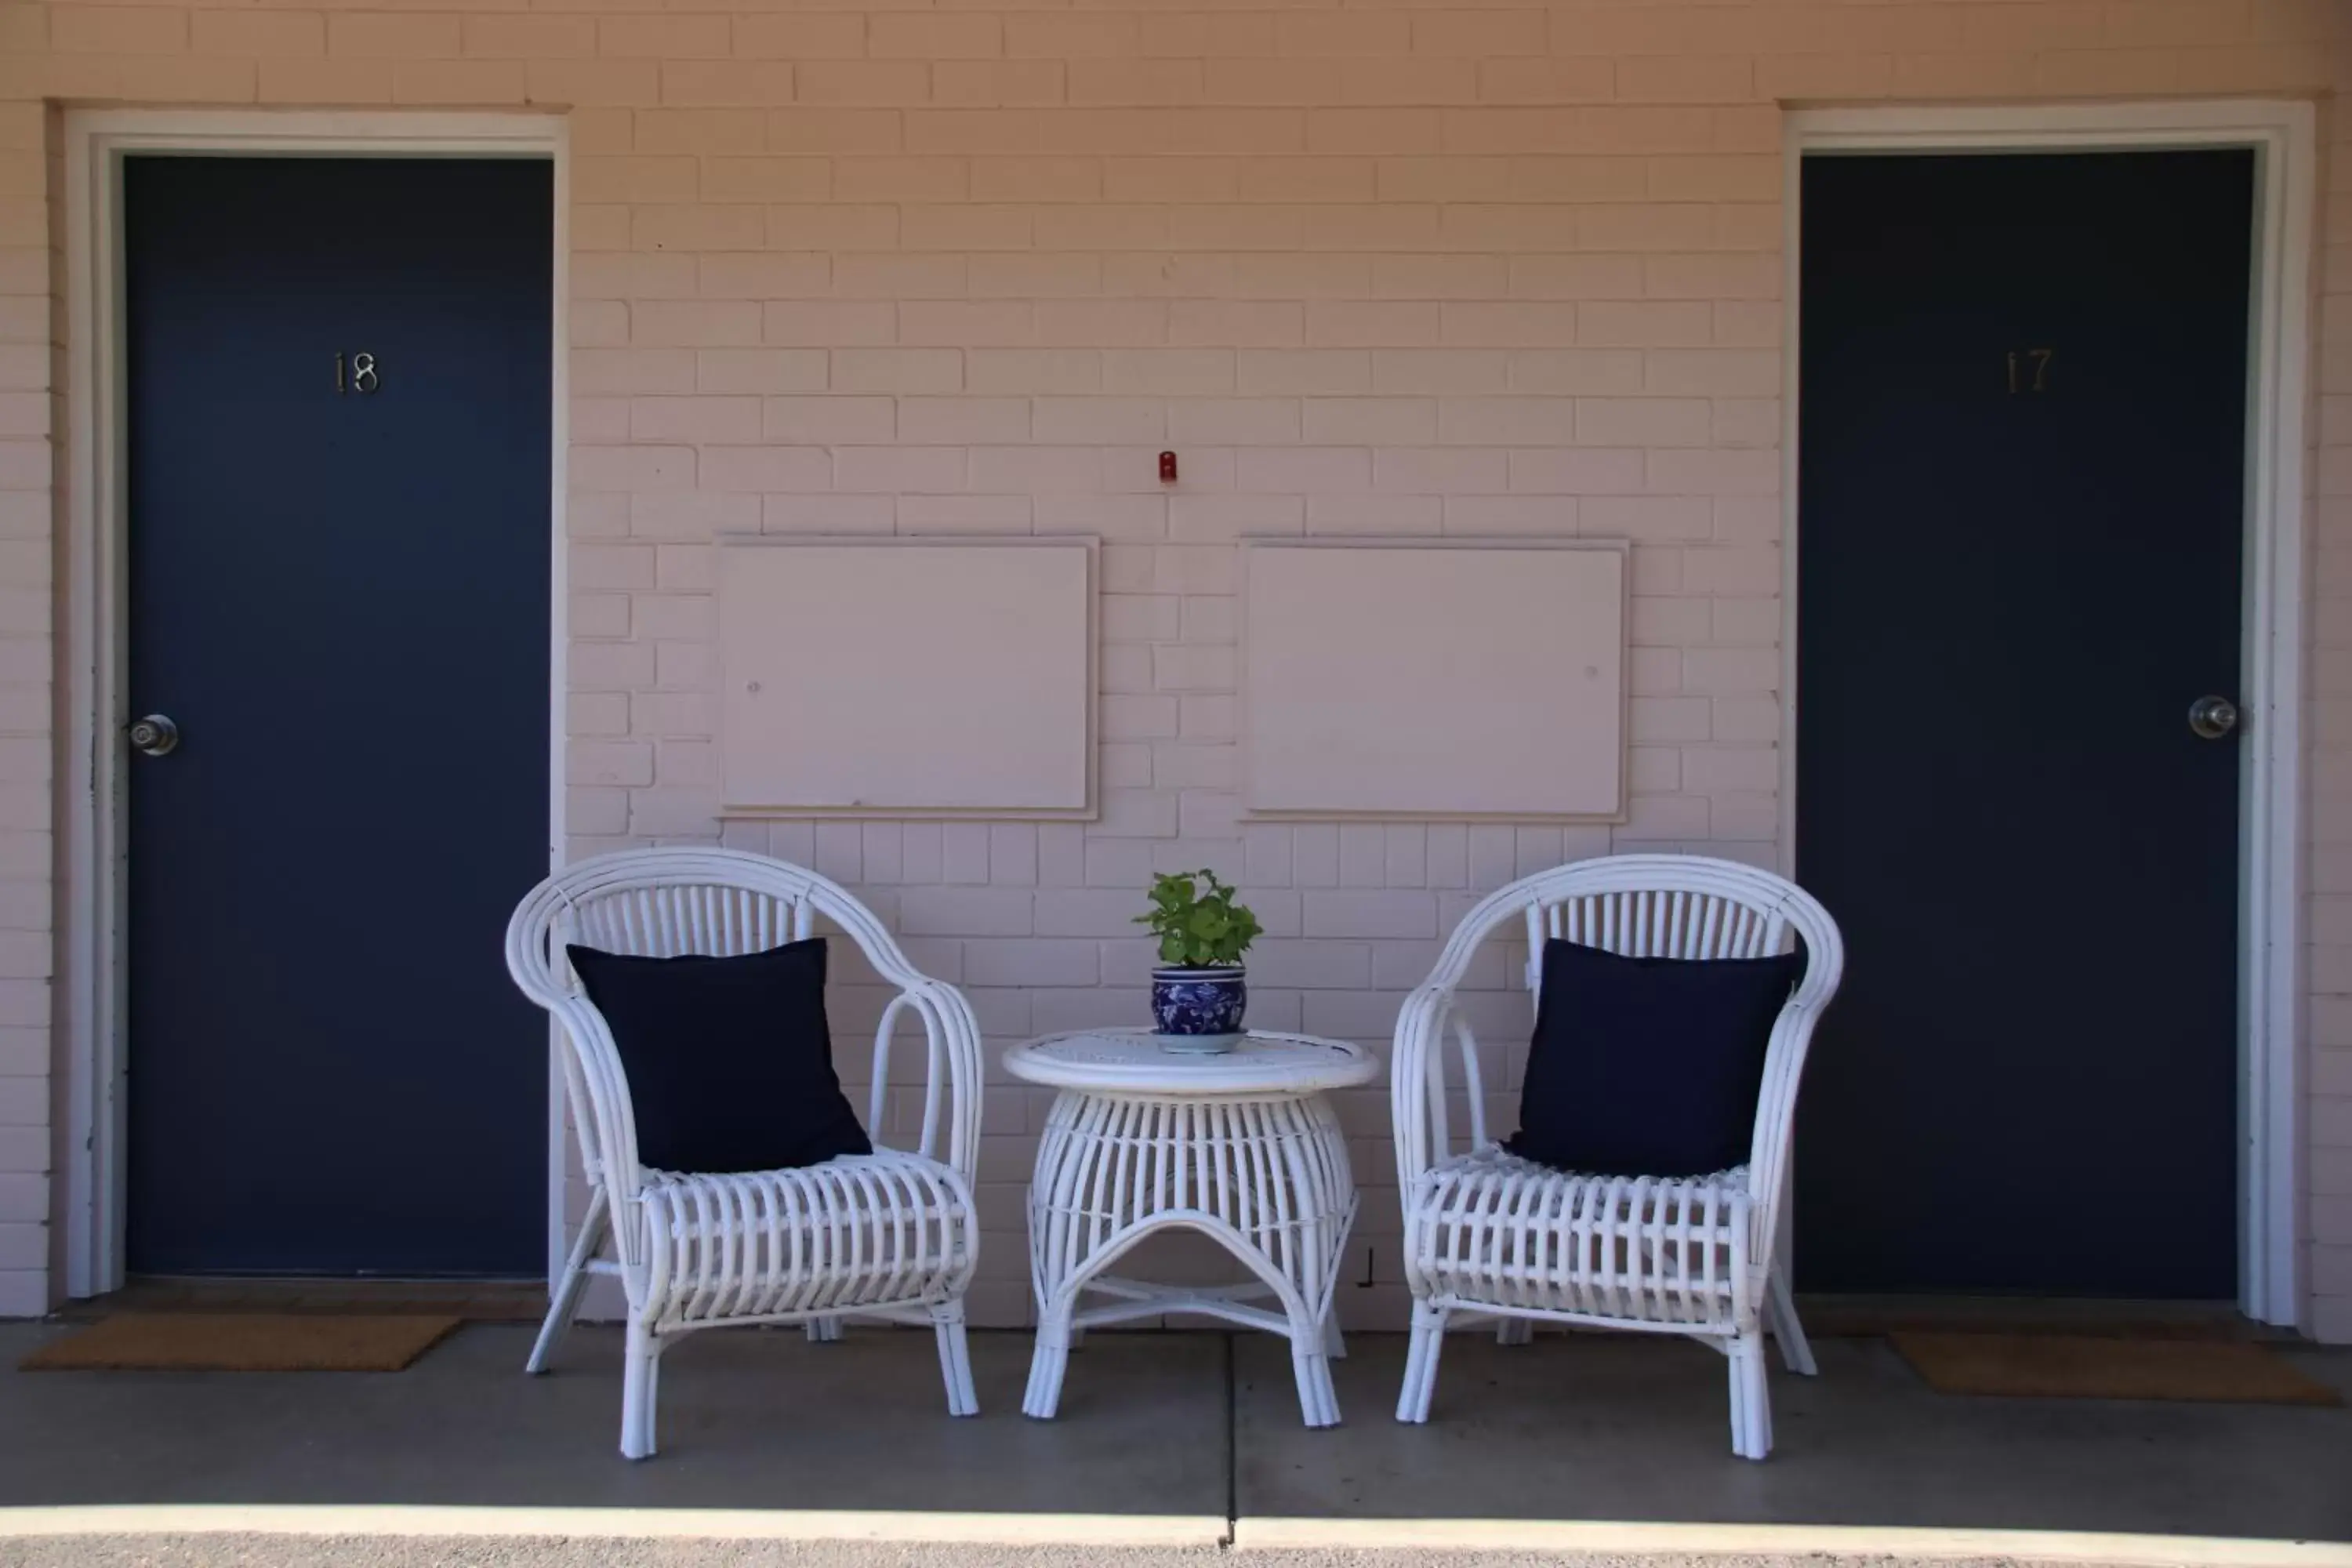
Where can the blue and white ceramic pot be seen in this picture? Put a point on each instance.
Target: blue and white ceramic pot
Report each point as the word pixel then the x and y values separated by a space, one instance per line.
pixel 1196 1002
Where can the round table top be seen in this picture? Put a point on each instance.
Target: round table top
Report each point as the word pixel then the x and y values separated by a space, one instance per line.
pixel 1135 1062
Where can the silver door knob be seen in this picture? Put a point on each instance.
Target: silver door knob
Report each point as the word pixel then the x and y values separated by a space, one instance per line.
pixel 155 735
pixel 2211 718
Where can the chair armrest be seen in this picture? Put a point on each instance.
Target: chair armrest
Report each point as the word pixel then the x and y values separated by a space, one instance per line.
pixel 1776 1114
pixel 609 1142
pixel 1417 1083
pixel 952 1090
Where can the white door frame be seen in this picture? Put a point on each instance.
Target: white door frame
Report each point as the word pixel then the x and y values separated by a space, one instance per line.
pixel 91 989
pixel 2269 911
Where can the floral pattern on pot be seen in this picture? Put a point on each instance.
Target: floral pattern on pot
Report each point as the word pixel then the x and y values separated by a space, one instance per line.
pixel 1199 1001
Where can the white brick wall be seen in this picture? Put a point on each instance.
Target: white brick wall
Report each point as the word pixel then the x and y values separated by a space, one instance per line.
pixel 1367 266
pixel 29 327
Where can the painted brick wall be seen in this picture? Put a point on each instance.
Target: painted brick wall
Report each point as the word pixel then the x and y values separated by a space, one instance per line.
pixel 30 326
pixel 2329 1062
pixel 1369 268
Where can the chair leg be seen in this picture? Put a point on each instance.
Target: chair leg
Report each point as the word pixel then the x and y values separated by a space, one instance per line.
pixel 640 1389
pixel 1335 1345
pixel 594 1226
pixel 955 1359
pixel 823 1330
pixel 1515 1332
pixel 1751 1398
pixel 1796 1353
pixel 1421 1362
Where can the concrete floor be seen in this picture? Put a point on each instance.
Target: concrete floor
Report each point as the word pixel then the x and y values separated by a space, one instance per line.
pixel 1198 1431
pixel 1593 1427
pixel 749 1418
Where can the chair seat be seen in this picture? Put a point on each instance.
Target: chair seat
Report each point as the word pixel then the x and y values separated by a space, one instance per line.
pixel 1489 1229
pixel 888 1229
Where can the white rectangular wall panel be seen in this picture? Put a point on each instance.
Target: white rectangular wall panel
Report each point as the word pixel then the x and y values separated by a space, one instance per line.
pixel 1427 677
pixel 907 676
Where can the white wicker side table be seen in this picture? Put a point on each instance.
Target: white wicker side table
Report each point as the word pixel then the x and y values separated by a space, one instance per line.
pixel 1242 1147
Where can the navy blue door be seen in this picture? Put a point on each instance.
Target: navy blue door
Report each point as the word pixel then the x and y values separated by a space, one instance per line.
pixel 2021 491
pixel 338 590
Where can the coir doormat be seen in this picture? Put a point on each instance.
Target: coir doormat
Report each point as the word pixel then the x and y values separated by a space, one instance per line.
pixel 2083 1366
pixel 243 1341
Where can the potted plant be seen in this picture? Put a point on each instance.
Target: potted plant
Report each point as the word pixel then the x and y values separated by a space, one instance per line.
pixel 1198 993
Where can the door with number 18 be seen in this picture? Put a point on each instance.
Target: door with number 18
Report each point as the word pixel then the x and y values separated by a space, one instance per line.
pixel 338 638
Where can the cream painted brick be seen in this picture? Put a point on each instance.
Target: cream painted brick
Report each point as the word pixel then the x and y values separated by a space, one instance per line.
pixel 1507 421
pixel 862 84
pixel 962 515
pixel 1139 617
pixel 1087 912
pixel 1302 469
pixel 822 323
pixel 1216 517
pixel 1204 717
pixel 25 1101
pixel 1643 422
pixel 967 325
pixel 1098 420
pixel 458 82
pixel 1439 370
pixel 799 37
pixel 896 370
pixel 1386 914
pixel 1452 472
pixel 1355 514
pixel 827 513
pixel 1037 469
pixel 1371 421
pixel 1176 373
pixel 293 34
pixel 664 37
pixel 759 468
pixel 1000 84
pixel 385 36
pixel 754 372
pixel 118 30
pixel 934 35
pixel 1269 372
pixel 817 421
pixel 900 468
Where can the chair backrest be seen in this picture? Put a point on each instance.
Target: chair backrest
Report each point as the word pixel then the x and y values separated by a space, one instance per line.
pixel 666 902
pixel 1665 906
pixel 663 903
pixel 1676 906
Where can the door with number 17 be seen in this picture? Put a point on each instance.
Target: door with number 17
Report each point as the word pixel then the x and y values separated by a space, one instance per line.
pixel 2021 503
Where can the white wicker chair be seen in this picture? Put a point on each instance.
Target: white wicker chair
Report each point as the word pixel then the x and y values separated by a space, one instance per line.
pixel 1489 1235
pixel 889 1234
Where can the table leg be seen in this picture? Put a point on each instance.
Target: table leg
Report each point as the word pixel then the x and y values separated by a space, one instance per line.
pixel 1046 1364
pixel 1318 1402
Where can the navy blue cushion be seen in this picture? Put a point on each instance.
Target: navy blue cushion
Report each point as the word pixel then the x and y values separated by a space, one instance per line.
pixel 1648 1067
pixel 729 1060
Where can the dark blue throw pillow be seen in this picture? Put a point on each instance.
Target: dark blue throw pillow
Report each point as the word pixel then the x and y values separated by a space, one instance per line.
pixel 729 1060
pixel 1648 1067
